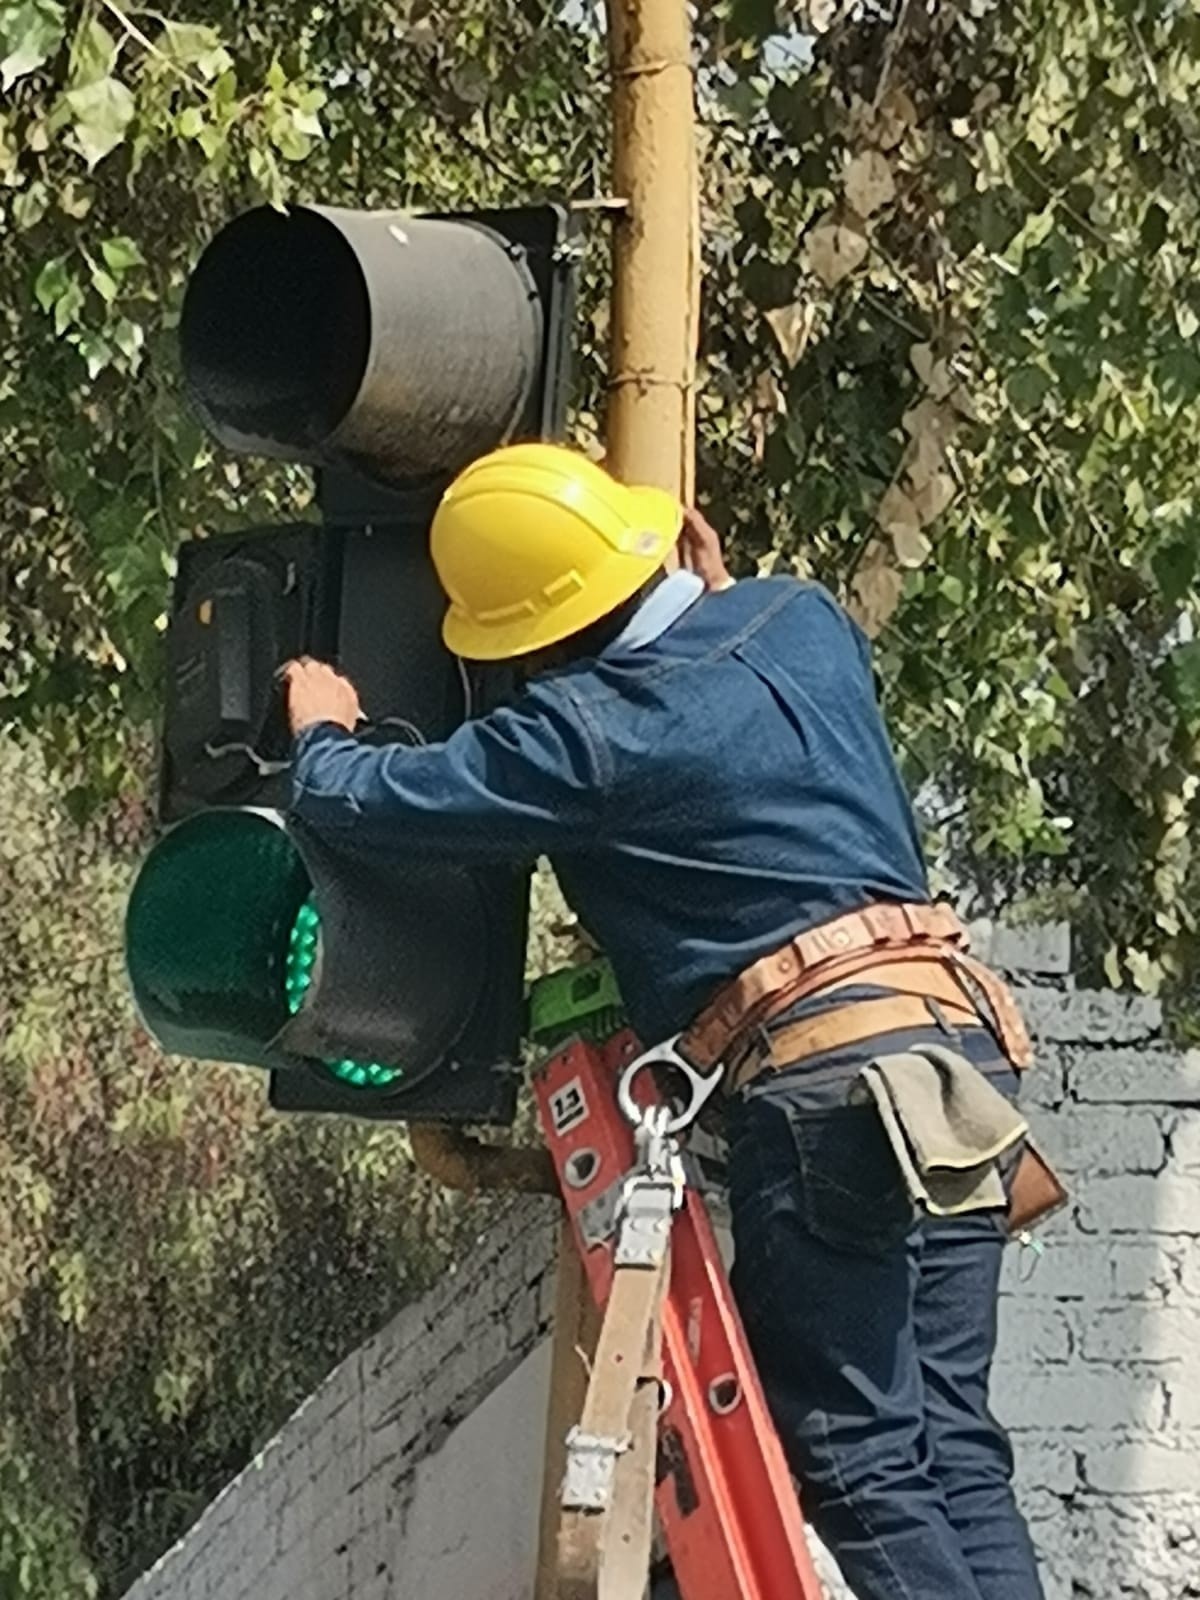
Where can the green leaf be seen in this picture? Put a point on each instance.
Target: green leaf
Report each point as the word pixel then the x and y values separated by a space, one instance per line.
pixel 104 284
pixel 121 252
pixel 30 33
pixel 51 282
pixel 1026 388
pixel 196 46
pixel 1174 568
pixel 1183 679
pixel 290 138
pixel 998 215
pixel 93 55
pixel 129 338
pixel 753 20
pixel 186 42
pixel 68 306
pixel 307 123
pixel 30 206
pixel 95 350
pixel 1147 974
pixel 214 142
pixel 103 112
pixel 225 90
pixel 1177 373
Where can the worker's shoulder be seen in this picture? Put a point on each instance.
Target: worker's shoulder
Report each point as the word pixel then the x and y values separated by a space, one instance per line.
pixel 784 603
pixel 783 589
pixel 552 705
pixel 549 697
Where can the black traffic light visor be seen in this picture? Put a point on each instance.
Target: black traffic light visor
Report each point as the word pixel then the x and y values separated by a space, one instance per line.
pixel 401 346
pixel 253 941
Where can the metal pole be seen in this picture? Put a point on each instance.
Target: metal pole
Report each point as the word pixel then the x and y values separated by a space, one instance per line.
pixel 655 310
pixel 650 440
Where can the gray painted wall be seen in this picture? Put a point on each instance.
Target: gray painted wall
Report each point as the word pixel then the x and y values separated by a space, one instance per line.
pixel 414 1471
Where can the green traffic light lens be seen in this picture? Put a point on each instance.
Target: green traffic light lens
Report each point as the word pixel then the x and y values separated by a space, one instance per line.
pixel 301 962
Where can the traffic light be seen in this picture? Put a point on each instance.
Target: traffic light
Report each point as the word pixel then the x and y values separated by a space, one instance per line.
pixel 386 352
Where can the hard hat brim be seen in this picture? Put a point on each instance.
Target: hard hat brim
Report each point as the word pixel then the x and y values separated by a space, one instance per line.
pixel 659 521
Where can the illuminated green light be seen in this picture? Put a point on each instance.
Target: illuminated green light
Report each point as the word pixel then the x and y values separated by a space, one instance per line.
pixel 301 960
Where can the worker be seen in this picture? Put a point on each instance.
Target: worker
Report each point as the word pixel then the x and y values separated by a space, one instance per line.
pixel 705 764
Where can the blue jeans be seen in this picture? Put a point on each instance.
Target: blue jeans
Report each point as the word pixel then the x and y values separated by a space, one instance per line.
pixel 873 1332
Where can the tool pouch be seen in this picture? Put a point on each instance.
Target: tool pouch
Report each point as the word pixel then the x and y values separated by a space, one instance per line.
pixel 1035 1191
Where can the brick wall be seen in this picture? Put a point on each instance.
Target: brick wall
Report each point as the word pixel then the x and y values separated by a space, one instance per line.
pixel 383 1476
pixel 413 1472
pixel 1099 1366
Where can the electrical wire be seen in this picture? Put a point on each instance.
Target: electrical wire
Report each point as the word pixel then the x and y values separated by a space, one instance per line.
pixel 264 768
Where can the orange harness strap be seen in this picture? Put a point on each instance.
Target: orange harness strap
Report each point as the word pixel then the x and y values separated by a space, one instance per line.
pixel 868 945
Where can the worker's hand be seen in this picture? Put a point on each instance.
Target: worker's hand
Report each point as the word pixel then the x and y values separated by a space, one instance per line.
pixel 316 693
pixel 700 550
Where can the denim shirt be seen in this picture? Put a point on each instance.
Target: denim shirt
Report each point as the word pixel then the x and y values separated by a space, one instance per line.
pixel 703 794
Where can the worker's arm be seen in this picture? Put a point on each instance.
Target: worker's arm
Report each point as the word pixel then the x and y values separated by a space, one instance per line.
pixel 523 781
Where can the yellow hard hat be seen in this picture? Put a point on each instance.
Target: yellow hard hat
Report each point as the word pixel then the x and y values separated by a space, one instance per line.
pixel 534 543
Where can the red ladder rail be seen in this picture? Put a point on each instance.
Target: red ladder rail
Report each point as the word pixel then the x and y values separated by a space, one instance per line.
pixel 725 1498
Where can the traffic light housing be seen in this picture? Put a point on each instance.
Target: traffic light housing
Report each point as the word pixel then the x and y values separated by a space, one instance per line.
pixel 431 339
pixel 386 352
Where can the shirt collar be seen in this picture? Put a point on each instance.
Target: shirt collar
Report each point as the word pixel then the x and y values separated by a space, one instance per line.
pixel 662 607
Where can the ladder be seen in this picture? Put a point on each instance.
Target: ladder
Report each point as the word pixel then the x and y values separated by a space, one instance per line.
pixel 675 1419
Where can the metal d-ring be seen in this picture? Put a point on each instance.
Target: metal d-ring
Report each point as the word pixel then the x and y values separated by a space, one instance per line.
pixel 702 1086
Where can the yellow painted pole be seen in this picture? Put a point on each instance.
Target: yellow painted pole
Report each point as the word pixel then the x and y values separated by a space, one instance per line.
pixel 655 306
pixel 650 439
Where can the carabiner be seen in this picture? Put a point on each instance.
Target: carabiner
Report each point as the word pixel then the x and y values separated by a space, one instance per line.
pixel 702 1086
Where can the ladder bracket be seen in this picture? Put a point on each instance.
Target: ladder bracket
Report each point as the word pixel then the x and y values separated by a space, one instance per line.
pixel 644 1222
pixel 591 1466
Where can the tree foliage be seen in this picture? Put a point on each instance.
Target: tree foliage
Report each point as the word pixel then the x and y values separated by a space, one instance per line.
pixel 125 140
pixel 178 1268
pixel 958 381
pixel 949 366
pixel 950 358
